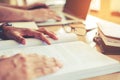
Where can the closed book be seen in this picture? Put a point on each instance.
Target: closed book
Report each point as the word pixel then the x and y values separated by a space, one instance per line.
pixel 109 40
pixel 106 49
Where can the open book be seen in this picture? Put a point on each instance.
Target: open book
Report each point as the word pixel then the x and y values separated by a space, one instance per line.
pixel 80 61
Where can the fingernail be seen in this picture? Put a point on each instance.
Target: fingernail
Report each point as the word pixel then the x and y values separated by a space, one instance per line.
pixel 23 42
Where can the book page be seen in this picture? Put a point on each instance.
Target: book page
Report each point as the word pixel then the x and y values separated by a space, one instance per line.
pixel 65 37
pixel 79 60
pixel 109 41
pixel 31 25
pixel 110 29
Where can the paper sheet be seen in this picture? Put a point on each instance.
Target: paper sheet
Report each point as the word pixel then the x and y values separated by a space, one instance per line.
pixel 31 25
pixel 65 37
pixel 110 29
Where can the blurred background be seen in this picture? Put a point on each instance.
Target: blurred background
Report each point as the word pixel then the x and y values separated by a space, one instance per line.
pixel 105 9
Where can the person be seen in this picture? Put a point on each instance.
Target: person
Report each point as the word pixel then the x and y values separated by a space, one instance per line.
pixel 36 12
pixel 23 66
pixel 18 34
pixel 27 66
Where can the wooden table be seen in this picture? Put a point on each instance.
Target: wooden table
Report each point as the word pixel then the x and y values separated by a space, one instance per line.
pixel 114 76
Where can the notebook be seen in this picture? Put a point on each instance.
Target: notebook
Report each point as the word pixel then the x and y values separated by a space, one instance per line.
pixel 73 11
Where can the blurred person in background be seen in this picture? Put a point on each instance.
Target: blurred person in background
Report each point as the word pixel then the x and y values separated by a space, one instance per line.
pixel 37 12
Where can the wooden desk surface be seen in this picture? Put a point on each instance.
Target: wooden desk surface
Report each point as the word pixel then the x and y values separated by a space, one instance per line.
pixel 114 76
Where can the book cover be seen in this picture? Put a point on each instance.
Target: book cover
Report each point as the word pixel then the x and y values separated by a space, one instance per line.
pixel 105 48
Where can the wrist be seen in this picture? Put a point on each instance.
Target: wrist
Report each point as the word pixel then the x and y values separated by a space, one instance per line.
pixel 2 25
pixel 28 16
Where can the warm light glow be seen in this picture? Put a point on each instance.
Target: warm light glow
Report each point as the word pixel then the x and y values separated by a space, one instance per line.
pixel 108 11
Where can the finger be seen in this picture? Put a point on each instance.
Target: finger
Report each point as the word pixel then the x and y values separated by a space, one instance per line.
pixel 38 72
pixel 37 35
pixel 57 18
pixel 41 36
pixel 54 16
pixel 50 34
pixel 35 58
pixel 52 62
pixel 45 70
pixel 46 61
pixel 17 37
pixel 14 33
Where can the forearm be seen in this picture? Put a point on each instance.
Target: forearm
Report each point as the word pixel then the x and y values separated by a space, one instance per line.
pixel 13 6
pixel 26 7
pixel 10 14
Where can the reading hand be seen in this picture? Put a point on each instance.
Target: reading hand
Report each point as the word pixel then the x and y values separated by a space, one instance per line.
pixel 18 34
pixel 27 67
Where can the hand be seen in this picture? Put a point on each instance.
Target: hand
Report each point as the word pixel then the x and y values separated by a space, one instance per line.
pixel 27 67
pixel 43 14
pixel 18 34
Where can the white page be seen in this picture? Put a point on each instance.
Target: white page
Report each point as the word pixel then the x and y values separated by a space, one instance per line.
pixel 65 37
pixel 109 41
pixel 79 60
pixel 110 29
pixel 31 25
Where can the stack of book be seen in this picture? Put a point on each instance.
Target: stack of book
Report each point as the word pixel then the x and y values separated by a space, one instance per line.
pixel 108 37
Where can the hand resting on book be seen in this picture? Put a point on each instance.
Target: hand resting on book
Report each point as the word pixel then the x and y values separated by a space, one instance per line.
pixel 18 34
pixel 27 67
